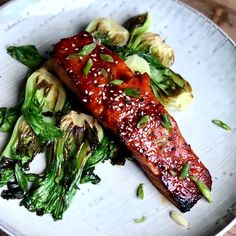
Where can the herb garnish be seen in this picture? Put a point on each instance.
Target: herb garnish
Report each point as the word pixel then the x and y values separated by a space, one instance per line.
pixel 106 57
pixel 132 92
pixel 184 171
pixel 165 121
pixel 205 191
pixel 140 192
pixel 221 124
pixel 87 49
pixel 116 82
pixel 140 220
pixel 143 121
pixel 88 66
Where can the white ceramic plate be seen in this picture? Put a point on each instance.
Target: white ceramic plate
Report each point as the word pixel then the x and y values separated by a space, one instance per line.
pixel 205 56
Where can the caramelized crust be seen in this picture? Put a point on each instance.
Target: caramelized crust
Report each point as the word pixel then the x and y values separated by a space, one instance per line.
pixel 160 152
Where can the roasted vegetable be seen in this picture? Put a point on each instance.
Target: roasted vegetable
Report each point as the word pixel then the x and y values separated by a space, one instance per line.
pixel 21 148
pixel 108 31
pixel 169 87
pixel 8 118
pixel 153 44
pixel 83 145
pixel 44 97
pixel 137 25
pixel 147 52
pixel 28 55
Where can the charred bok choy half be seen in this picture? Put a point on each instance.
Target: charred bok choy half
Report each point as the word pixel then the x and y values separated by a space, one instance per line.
pixel 147 52
pixel 72 150
pixel 70 162
pixel 44 97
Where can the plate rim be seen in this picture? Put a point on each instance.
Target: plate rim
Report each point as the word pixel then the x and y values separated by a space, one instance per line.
pixel 228 226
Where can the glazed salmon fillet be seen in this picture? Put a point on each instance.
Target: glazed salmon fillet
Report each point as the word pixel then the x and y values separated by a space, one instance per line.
pixel 124 103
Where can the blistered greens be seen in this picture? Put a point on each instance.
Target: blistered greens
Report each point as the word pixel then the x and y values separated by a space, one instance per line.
pixel 78 151
pixel 108 31
pixel 147 52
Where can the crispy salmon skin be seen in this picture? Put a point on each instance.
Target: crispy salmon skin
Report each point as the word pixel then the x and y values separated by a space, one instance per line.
pixel 124 103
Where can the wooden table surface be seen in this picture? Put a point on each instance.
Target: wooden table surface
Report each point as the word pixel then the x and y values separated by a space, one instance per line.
pixel 223 13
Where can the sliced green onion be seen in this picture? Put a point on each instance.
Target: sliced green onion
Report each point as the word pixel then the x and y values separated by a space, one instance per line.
pixel 88 66
pixel 179 219
pixel 116 82
pixel 221 124
pixel 87 49
pixel 143 121
pixel 140 220
pixel 205 191
pixel 106 57
pixel 104 72
pixel 184 171
pixel 160 141
pixel 173 172
pixel 165 121
pixel 132 92
pixel 140 192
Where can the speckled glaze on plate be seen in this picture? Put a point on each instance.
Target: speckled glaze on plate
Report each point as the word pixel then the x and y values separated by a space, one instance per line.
pixel 205 56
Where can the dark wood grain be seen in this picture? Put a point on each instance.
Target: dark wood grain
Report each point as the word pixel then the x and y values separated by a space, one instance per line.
pixel 223 13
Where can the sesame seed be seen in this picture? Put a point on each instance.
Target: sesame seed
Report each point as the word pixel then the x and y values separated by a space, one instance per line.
pixel 73 45
pixel 116 62
pixel 84 100
pixel 108 69
pixel 66 49
pixel 90 93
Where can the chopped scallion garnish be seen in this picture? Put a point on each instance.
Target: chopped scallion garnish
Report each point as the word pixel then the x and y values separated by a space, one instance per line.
pixel 116 82
pixel 184 171
pixel 143 121
pixel 132 92
pixel 88 66
pixel 205 191
pixel 173 172
pixel 104 72
pixel 140 192
pixel 87 49
pixel 165 121
pixel 221 124
pixel 140 220
pixel 106 57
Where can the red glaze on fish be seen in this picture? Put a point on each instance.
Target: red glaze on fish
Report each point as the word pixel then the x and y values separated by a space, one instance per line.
pixel 160 152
